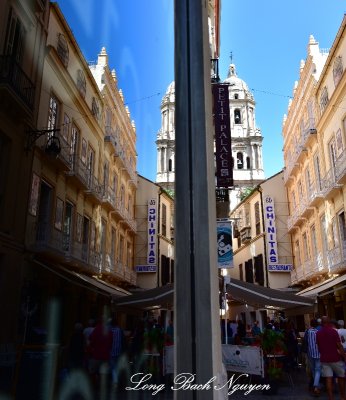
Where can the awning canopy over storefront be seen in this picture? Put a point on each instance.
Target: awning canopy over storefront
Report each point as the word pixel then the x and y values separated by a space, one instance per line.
pixel 88 282
pixel 243 292
pixel 321 288
pixel 264 297
pixel 160 297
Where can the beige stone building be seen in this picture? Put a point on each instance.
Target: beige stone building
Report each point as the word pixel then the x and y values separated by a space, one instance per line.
pixel 261 247
pixel 80 217
pixel 315 165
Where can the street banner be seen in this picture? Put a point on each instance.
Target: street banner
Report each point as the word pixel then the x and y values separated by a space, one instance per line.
pixel 152 232
pixel 223 147
pixel 224 245
pixel 270 230
pixel 246 359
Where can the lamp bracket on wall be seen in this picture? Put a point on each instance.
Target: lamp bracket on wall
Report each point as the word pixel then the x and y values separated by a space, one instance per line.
pixel 52 148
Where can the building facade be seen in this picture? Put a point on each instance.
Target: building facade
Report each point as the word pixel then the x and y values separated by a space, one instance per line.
pixel 154 246
pixel 314 141
pixel 261 245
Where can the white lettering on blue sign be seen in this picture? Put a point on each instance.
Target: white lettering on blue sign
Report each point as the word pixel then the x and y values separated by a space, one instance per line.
pixel 145 268
pixel 152 230
pixel 280 267
pixel 270 229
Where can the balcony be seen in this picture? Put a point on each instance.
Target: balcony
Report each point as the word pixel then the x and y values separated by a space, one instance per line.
pixel 336 258
pixel 309 133
pixel 79 173
pixel 340 168
pixel 109 199
pixel 124 215
pixel 329 186
pixel 245 235
pixel 95 189
pixel 315 194
pixel 110 139
pixel 17 83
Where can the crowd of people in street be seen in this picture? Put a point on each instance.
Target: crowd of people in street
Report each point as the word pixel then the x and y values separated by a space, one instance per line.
pixel 104 350
pixel 324 344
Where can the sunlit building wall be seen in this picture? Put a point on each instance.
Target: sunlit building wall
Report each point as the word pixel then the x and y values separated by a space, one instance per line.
pixel 315 165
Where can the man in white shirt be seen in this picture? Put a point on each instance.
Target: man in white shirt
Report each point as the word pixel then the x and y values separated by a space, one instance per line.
pixel 342 333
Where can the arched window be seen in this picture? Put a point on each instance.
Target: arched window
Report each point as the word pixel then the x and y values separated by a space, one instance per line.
pixel 240 160
pixel 62 49
pixel 237 117
pixel 248 166
pixel 170 163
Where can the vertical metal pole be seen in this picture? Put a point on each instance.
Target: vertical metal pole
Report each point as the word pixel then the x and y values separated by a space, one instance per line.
pixel 197 323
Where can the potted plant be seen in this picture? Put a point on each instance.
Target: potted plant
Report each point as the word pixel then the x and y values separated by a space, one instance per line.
pixel 274 348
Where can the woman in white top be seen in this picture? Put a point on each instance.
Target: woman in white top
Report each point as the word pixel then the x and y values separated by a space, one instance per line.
pixel 342 332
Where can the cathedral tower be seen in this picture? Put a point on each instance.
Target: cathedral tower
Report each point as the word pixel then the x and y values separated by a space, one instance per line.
pixel 246 139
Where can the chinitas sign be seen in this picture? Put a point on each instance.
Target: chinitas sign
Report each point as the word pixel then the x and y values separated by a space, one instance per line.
pixel 152 232
pixel 271 239
pixel 223 155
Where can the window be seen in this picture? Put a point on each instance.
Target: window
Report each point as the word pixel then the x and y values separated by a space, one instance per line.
pixel 66 128
pixel 259 271
pixel 95 109
pixel 164 220
pixel 14 37
pixel 81 83
pixel 324 99
pixel 324 234
pixel 237 116
pixel 113 245
pixel 165 270
pixel 241 272
pixel 306 247
pixel 313 240
pixel 121 251
pixel 257 218
pixel 53 113
pixel 240 160
pixel 337 70
pixel 248 164
pixel 68 225
pixel 297 253
pixel 73 145
pixel 335 235
pixel 249 271
pixel 85 238
pixel 236 96
pixel 122 196
pixel 317 172
pixel 62 49
pixel 342 225
pixel 129 256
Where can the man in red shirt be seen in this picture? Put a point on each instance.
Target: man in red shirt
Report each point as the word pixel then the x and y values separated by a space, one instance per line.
pixel 332 354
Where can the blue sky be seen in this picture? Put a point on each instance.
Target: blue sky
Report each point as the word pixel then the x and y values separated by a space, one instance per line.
pixel 267 38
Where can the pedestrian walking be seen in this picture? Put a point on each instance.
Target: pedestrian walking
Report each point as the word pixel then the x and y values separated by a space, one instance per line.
pixel 332 355
pixel 313 356
pixel 342 332
pixel 117 349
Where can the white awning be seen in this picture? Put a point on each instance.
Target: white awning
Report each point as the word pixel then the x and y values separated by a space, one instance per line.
pixel 318 290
